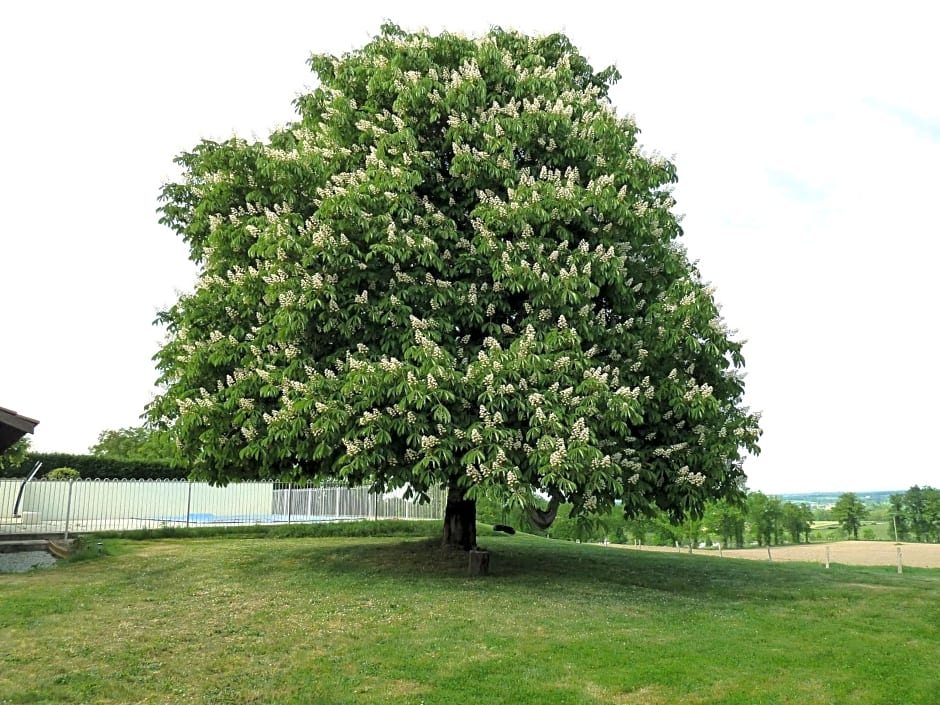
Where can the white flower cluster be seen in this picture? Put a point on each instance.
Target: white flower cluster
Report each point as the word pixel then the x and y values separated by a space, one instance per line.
pixel 490 420
pixel 633 393
pixel 369 417
pixel 559 454
pixel 685 476
pixel 277 277
pixel 598 374
pixel 580 431
pixel 704 391
pixel 355 446
pixel 668 451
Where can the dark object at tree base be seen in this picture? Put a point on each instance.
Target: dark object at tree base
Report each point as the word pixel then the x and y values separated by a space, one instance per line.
pixel 505 529
pixel 479 562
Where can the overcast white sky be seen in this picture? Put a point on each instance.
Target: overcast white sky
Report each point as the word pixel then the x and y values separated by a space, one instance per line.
pixel 807 138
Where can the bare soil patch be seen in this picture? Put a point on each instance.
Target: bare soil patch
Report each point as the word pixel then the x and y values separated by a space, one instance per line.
pixel 917 555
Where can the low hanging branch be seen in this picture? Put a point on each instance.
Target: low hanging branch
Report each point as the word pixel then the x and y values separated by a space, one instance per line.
pixel 543 518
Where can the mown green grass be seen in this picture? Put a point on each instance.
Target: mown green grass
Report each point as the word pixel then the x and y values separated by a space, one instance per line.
pixel 232 619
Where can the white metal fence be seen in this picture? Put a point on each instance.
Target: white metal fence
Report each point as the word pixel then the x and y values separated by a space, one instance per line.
pixel 53 506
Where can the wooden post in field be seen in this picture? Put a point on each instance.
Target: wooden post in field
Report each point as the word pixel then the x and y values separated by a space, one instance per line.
pixel 719 549
pixel 827 556
pixel 900 563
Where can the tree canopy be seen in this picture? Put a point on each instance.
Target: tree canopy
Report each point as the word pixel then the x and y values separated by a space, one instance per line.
pixel 133 443
pixel 456 266
pixel 15 455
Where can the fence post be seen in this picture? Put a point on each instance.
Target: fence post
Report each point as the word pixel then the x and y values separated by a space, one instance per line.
pixel 68 510
pixel 900 563
pixel 290 499
pixel 189 499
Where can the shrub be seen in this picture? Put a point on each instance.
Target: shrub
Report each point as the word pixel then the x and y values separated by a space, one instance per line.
pixel 63 474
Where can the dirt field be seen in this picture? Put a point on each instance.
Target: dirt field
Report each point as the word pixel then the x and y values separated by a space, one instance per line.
pixel 919 555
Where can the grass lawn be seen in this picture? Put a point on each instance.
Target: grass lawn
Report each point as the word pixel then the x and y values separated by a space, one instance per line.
pixel 234 619
pixel 870 531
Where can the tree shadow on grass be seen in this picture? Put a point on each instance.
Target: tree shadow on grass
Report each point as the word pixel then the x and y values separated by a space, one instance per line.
pixel 535 563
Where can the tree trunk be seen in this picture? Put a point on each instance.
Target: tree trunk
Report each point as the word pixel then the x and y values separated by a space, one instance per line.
pixel 460 520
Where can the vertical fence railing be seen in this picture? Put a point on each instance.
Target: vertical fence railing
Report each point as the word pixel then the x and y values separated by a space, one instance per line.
pixel 73 506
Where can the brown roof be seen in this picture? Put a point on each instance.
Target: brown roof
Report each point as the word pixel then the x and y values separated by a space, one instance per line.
pixel 13 427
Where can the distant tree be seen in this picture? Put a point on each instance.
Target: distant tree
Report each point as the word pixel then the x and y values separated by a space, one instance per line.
pixel 915 511
pixel 15 455
pixel 932 512
pixel 639 528
pixel 457 268
pixel 798 519
pixel 134 443
pixel 764 515
pixel 690 530
pixel 728 521
pixel 849 511
pixel 897 518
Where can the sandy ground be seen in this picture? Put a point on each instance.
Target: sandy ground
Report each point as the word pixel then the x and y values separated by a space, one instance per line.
pixel 919 555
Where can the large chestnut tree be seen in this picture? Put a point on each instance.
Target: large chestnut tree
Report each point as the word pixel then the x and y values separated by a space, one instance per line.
pixel 455 267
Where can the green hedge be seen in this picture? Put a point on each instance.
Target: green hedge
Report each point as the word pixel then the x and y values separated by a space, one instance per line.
pixel 92 467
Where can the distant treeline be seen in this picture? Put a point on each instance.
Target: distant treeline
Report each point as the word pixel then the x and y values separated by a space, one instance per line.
pixel 762 520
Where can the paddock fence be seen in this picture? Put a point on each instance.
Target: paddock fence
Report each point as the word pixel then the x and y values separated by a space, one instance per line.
pixel 75 506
